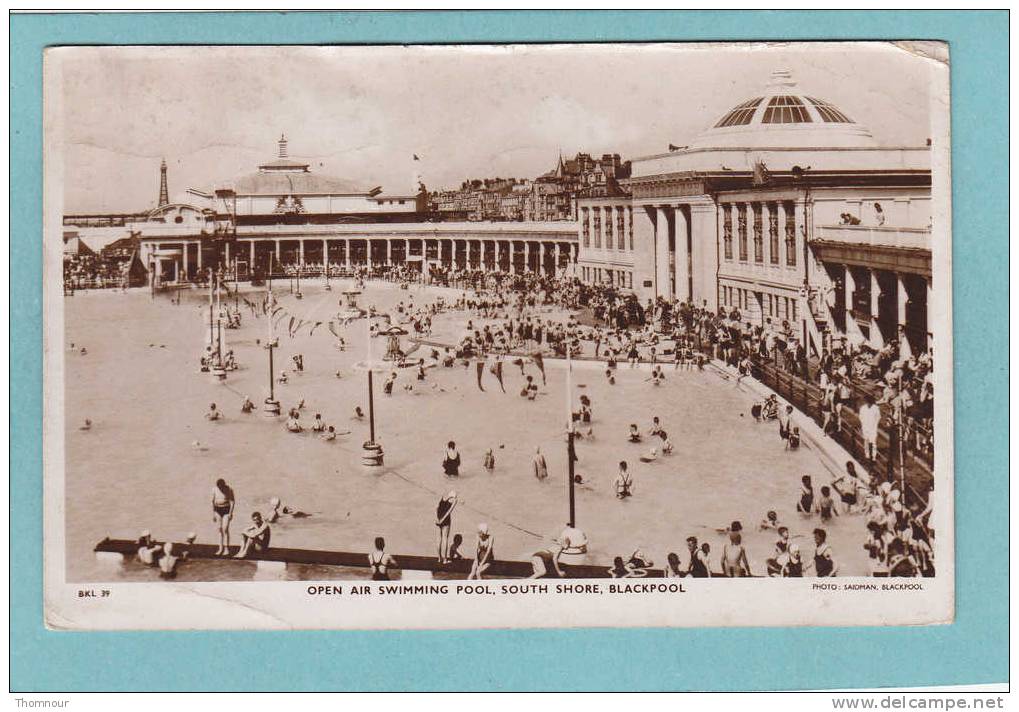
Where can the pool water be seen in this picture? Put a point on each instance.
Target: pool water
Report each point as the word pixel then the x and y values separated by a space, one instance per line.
pixel 150 459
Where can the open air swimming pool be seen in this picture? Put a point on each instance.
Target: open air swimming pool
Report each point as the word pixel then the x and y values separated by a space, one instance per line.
pixel 138 466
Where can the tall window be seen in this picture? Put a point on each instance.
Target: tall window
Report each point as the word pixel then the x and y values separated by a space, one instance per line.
pixel 790 234
pixel 608 227
pixel 758 235
pixel 620 227
pixel 727 230
pixel 629 226
pixel 586 227
pixel 773 233
pixel 597 227
pixel 741 219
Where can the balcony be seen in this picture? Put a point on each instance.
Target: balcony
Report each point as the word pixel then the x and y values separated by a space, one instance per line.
pixel 909 238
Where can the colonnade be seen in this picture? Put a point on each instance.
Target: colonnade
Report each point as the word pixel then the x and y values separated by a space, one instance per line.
pixel 513 255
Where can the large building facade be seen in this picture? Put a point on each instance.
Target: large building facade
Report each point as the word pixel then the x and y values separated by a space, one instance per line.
pixel 285 215
pixel 785 209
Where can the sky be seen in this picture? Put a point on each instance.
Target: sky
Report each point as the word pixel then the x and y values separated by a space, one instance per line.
pixel 361 113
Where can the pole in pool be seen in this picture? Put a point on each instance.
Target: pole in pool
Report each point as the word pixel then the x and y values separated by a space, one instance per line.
pixel 272 407
pixel 570 454
pixel 372 455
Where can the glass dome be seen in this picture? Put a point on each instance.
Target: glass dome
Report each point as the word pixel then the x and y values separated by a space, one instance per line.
pixel 782 117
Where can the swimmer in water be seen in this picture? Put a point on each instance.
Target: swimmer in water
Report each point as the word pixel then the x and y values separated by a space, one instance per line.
pixel 168 562
pixel 329 434
pixel 826 505
pixel 770 521
pixel 213 413
pixel 147 549
pixel 87 425
pixel 358 413
pixel 623 482
pixel 734 557
pixel 247 406
pixel 824 561
pixel 454 548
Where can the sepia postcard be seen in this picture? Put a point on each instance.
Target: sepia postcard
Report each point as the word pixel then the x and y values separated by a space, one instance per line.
pixel 465 336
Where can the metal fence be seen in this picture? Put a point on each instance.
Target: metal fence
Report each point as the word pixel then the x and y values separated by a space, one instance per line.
pixel 916 464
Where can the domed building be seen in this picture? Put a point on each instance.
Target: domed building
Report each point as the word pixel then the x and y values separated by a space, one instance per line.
pixel 786 208
pixel 286 190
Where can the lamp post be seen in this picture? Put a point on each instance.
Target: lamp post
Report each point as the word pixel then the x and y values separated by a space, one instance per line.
pixel 372 454
pixel 271 409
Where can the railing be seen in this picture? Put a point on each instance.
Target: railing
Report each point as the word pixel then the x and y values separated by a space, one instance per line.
pixel 904 237
pixel 807 397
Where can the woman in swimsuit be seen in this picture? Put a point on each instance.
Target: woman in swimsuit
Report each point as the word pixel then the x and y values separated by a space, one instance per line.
pixel 794 567
pixel 444 520
pixel 734 557
pixel 451 462
pixel 697 568
pixel 806 503
pixel 222 513
pixel 824 564
pixel 672 570
pixel 380 562
pixel 484 554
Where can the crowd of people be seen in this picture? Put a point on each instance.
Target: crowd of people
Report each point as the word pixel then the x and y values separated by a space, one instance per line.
pixel 515 315
pixel 93 272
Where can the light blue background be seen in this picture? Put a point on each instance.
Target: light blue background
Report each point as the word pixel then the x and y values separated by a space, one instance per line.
pixel 973 650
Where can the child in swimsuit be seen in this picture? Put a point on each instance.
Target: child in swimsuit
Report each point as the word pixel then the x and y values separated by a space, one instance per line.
pixel 806 503
pixel 826 505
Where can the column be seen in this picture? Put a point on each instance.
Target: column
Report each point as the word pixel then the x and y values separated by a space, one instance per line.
pixel 527 257
pixel 683 261
pixel 663 281
pixel 782 256
pixel 325 254
pixel 198 247
pixel 929 310
pixel 406 253
pixel 850 289
pixel 251 255
pixel 557 253
pixel 389 251
pixel 368 252
pixel 300 252
pixel 541 258
pixel 903 297
pixel 799 231
pixel 277 251
pixel 498 265
pixel 346 253
pixel 184 258
pixel 226 249
pixel 765 232
pixel 512 255
pixel 438 249
pixel 609 222
pixel 452 253
pixel 876 338
pixel 467 253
